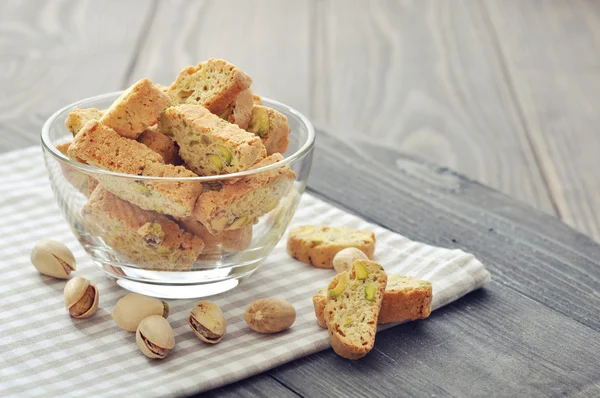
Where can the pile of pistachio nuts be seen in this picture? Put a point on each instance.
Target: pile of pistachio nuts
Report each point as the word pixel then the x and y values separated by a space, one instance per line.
pixel 146 316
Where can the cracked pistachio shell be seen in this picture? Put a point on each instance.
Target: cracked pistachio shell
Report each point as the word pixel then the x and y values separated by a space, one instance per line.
pixel 207 322
pixel 81 297
pixel 133 308
pixel 52 258
pixel 344 259
pixel 154 337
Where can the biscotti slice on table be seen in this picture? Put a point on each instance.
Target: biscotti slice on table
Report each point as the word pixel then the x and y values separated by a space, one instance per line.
pixel 272 128
pixel 227 241
pixel 318 244
pixel 102 147
pixel 161 144
pixel 208 144
pixel 77 118
pixel 144 237
pixel 352 309
pixel 405 299
pixel 136 109
pixel 239 111
pixel 239 204
pixel 214 84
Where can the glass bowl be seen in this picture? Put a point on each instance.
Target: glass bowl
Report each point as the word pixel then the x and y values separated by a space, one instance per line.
pixel 157 254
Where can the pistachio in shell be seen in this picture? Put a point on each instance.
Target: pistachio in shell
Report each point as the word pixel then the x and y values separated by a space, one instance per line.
pixel 133 308
pixel 270 315
pixel 154 337
pixel 81 297
pixel 207 321
pixel 53 258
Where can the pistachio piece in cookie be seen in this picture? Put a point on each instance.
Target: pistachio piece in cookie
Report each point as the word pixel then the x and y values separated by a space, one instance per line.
pixel 318 244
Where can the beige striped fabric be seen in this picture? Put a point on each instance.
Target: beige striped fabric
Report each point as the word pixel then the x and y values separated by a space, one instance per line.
pixel 46 353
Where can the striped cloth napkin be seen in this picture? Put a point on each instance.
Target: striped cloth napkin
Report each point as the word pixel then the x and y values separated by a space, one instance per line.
pixel 46 353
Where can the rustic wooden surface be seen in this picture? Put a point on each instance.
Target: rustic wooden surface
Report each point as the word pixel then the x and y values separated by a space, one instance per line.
pixel 503 92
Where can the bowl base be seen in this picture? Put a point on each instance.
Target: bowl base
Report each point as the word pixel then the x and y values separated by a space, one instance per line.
pixel 174 285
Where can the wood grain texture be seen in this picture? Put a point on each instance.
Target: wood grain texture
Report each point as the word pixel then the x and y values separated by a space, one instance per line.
pixel 253 387
pixel 551 50
pixel 479 346
pixel 269 39
pixel 56 52
pixel 423 77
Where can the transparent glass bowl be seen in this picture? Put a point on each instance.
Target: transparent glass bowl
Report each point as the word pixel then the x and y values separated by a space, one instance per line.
pixel 224 262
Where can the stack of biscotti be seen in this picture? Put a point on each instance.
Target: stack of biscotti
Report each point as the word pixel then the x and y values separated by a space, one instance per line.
pixel 145 237
pixel 197 126
pixel 405 299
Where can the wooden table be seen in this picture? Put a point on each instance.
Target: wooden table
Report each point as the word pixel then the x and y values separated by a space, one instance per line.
pixel 504 92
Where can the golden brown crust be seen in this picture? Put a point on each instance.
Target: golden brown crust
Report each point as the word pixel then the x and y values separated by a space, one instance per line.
pixel 318 244
pixel 405 299
pixel 145 237
pixel 160 144
pixel 214 84
pixel 239 204
pixel 208 144
pixel 136 109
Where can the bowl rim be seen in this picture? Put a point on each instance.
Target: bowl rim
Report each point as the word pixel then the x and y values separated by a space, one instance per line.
pixel 88 169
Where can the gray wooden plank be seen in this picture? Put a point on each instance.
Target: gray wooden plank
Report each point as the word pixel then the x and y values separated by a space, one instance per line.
pixel 269 39
pixel 253 387
pixel 423 77
pixel 551 50
pixel 53 53
pixel 492 343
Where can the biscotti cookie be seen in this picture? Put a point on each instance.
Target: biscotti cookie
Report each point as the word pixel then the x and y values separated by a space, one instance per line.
pixel 318 244
pixel 214 84
pixel 77 118
pixel 405 299
pixel 208 144
pixel 144 237
pixel 160 144
pixel 75 177
pixel 352 309
pixel 272 128
pixel 227 241
pixel 136 109
pixel 239 204
pixel 256 99
pixel 238 112
pixel 102 147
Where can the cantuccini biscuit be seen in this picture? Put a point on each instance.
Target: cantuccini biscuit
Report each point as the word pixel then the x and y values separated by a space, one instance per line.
pixel 352 309
pixel 239 204
pixel 318 244
pixel 405 299
pixel 136 109
pixel 75 177
pixel 272 128
pixel 102 147
pixel 238 112
pixel 227 241
pixel 214 84
pixel 208 144
pixel 144 237
pixel 77 118
pixel 161 144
